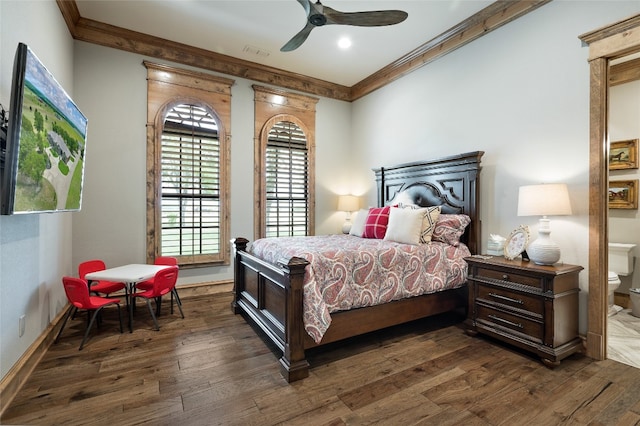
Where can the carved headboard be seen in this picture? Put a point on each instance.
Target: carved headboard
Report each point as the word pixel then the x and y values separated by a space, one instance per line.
pixel 451 182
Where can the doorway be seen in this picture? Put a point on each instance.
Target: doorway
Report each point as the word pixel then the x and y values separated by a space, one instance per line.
pixel 605 44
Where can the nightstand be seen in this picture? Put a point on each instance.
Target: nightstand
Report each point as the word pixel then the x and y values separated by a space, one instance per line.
pixel 530 306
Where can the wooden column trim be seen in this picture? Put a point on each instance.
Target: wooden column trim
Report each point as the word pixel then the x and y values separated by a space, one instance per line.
pixel 598 211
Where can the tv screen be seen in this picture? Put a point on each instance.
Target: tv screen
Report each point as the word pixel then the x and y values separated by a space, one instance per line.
pixel 46 142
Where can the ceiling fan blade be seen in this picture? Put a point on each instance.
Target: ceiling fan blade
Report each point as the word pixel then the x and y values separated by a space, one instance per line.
pixel 319 15
pixel 365 19
pixel 298 39
pixel 306 5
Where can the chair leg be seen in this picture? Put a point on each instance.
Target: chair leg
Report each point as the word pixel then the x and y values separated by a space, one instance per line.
pixel 71 311
pixel 152 314
pixel 178 302
pixel 93 318
pixel 175 293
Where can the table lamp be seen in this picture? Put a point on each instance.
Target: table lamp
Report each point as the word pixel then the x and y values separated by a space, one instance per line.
pixel 348 204
pixel 544 200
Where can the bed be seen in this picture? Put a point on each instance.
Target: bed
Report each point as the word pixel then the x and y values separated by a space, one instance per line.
pixel 270 293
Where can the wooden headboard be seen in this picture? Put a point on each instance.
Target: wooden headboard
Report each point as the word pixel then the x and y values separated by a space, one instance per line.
pixel 451 182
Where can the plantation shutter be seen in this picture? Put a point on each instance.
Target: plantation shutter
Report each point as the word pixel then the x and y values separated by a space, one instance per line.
pixel 287 183
pixel 190 183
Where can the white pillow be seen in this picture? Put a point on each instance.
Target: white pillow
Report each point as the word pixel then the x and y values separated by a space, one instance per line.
pixel 404 225
pixel 429 219
pixel 358 222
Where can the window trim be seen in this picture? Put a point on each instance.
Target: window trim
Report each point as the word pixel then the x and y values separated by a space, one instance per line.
pixel 168 87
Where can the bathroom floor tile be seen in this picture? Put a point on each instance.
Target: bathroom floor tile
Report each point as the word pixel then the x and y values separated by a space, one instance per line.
pixel 623 338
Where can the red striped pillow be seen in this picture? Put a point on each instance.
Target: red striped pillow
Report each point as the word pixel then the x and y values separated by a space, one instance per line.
pixel 377 221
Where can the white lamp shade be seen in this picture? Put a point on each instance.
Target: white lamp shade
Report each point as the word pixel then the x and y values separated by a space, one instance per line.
pixel 348 203
pixel 544 200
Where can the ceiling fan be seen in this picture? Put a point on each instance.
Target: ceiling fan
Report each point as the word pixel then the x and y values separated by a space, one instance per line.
pixel 319 15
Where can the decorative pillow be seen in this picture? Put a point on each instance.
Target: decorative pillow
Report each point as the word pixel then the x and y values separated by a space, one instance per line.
pixel 450 227
pixel 429 220
pixel 404 225
pixel 357 224
pixel 376 224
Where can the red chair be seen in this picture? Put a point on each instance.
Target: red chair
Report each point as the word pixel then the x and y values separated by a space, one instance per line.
pixel 99 287
pixel 77 291
pixel 163 283
pixel 147 285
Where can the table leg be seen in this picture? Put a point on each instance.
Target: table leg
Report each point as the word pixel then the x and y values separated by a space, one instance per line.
pixel 131 302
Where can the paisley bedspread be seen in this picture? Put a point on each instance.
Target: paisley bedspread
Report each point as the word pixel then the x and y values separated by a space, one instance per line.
pixel 348 272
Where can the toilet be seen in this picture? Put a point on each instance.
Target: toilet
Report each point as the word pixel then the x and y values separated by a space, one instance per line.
pixel 620 263
pixel 613 283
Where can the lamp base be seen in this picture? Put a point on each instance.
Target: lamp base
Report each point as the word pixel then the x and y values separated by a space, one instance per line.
pixel 346 227
pixel 544 251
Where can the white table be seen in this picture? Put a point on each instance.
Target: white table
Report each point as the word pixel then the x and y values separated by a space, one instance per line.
pixel 130 275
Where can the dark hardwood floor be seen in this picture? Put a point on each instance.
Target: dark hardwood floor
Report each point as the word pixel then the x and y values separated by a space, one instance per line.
pixel 212 368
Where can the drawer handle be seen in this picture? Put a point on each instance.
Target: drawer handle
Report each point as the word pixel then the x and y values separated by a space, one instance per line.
pixel 509 299
pixel 513 324
pixel 505 277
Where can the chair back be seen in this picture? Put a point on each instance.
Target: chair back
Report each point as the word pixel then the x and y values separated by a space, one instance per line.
pixel 166 260
pixel 164 281
pixel 77 291
pixel 90 266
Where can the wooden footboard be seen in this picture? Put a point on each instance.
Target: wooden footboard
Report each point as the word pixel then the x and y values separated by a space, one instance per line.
pixel 271 296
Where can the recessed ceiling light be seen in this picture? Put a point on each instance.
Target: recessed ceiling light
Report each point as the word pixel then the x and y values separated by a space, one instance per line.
pixel 344 43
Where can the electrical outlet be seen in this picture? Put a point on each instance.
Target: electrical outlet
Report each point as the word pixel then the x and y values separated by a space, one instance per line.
pixel 21 325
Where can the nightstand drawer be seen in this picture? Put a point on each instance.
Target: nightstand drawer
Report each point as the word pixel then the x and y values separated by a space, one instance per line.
pixel 510 298
pixel 527 328
pixel 511 277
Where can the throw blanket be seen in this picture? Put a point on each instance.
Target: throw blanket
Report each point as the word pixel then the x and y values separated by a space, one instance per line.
pixel 347 272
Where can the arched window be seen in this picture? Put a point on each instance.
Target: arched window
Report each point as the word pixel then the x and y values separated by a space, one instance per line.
pixel 187 166
pixel 286 181
pixel 285 163
pixel 190 183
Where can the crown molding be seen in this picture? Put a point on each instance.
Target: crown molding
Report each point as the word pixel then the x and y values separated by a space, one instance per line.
pixel 490 18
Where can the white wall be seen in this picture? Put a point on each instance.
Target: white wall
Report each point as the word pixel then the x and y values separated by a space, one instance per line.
pixel 111 89
pixel 624 124
pixel 521 94
pixel 35 250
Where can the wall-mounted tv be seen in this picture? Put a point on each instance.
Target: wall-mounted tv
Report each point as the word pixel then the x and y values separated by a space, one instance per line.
pixel 45 142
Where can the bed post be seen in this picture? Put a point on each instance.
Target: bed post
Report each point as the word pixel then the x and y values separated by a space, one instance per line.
pixel 239 244
pixel 293 364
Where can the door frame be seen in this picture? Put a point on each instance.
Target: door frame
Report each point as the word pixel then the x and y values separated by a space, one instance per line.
pixel 610 42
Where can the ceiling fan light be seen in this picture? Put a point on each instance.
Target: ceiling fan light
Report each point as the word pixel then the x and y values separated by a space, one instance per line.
pixel 344 43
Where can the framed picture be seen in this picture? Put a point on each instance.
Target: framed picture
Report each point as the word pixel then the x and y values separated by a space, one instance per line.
pixel 623 155
pixel 623 194
pixel 517 242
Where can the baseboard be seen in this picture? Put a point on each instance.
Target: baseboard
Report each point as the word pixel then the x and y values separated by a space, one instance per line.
pixel 201 289
pixel 22 369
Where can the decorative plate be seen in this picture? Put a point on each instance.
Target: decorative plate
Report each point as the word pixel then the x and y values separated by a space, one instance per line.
pixel 516 242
